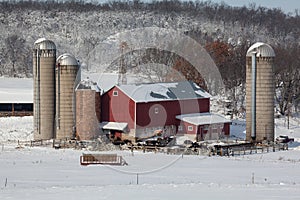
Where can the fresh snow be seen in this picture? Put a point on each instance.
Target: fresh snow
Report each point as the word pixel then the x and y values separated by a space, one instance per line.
pixel 16 90
pixel 16 128
pixel 45 173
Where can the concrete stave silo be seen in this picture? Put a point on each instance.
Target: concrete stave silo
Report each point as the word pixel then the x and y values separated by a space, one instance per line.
pixel 260 91
pixel 67 74
pixel 88 110
pixel 44 58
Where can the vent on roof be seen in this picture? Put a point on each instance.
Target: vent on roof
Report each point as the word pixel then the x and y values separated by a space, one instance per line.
pixel 156 95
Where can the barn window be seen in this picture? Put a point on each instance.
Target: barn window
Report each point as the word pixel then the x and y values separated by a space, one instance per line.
pixel 156 110
pixel 115 93
pixel 179 128
pixel 205 127
pixel 190 128
pixel 214 128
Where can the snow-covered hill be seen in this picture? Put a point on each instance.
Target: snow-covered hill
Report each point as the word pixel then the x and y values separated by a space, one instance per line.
pixel 79 32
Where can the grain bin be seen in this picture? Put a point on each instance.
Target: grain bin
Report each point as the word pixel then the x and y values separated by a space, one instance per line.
pixel 260 93
pixel 44 57
pixel 67 74
pixel 88 110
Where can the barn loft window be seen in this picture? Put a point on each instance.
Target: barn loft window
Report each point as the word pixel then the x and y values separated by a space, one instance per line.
pixel 115 93
pixel 156 110
pixel 190 128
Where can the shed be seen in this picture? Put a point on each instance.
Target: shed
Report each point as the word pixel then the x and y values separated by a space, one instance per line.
pixel 203 126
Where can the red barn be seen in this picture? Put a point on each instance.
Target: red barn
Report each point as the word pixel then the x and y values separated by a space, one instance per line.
pixel 153 108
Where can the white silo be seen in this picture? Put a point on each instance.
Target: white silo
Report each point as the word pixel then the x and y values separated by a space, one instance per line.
pixel 44 57
pixel 67 76
pixel 260 91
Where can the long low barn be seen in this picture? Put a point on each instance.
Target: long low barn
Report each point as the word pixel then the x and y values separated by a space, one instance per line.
pixel 16 97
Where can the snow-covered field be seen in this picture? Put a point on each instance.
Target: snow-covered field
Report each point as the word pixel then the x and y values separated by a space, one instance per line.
pixel 46 173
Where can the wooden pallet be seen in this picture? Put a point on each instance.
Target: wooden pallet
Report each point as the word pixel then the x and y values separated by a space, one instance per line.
pixel 102 159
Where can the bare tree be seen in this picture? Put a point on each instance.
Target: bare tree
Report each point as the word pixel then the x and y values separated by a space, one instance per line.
pixel 287 77
pixel 16 55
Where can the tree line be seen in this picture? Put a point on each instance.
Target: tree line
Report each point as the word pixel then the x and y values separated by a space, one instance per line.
pixel 229 57
pixel 274 20
pixel 231 61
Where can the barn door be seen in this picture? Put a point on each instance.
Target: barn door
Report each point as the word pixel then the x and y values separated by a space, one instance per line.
pixel 199 136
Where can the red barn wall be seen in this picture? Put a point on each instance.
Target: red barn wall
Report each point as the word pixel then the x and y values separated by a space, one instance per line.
pixel 163 113
pixel 227 129
pixel 118 108
pixel 185 130
pixel 200 131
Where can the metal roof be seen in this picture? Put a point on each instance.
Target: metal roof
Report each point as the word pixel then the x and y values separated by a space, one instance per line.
pixel 203 118
pixel 151 92
pixel 67 59
pixel 261 49
pixel 45 44
pixel 118 126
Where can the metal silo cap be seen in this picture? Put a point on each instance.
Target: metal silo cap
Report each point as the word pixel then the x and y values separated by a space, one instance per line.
pixel 67 59
pixel 45 44
pixel 261 49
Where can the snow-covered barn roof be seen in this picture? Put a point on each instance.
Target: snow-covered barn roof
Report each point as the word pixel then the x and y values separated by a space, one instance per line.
pixel 16 90
pixel 202 118
pixel 150 92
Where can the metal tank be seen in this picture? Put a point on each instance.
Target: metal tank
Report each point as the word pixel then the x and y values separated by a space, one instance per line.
pixel 88 110
pixel 44 57
pixel 260 91
pixel 67 75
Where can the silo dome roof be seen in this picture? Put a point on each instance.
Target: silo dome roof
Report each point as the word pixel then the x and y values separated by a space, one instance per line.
pixel 261 49
pixel 67 59
pixel 43 43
